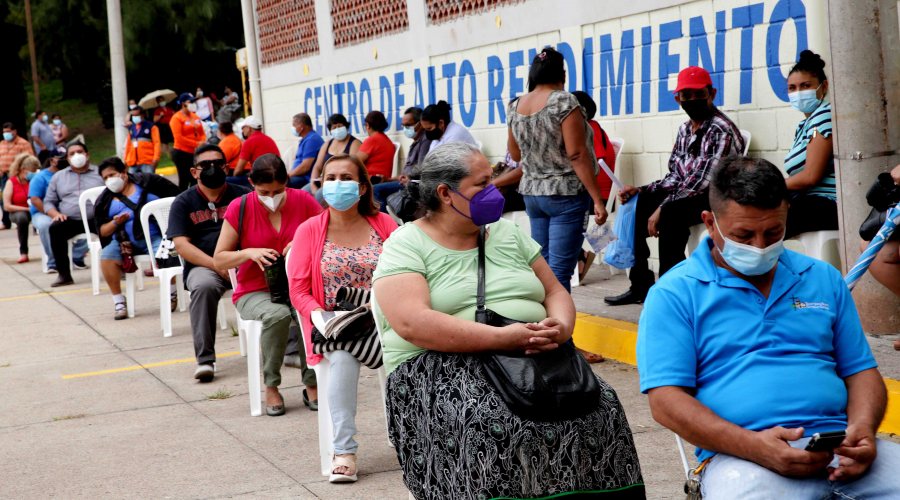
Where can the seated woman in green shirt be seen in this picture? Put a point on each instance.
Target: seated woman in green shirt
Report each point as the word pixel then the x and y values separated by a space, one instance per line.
pixel 455 437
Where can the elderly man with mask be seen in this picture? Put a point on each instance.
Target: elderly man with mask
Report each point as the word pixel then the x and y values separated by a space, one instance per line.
pixel 37 190
pixel 748 350
pixel 667 208
pixel 307 150
pixel 412 129
pixel 61 205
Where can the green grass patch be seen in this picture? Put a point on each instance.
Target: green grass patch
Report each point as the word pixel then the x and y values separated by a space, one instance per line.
pixel 234 331
pixel 69 417
pixel 222 393
pixel 6 365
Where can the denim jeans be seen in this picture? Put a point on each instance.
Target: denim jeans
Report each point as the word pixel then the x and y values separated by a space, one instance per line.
pixel 382 190
pixel 557 224
pixel 145 168
pixel 319 195
pixel 727 477
pixel 41 222
pixel 342 391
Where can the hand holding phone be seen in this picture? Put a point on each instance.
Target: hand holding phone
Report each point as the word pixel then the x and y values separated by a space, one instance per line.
pixel 826 441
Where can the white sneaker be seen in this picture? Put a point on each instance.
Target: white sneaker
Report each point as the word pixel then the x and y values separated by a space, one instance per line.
pixel 205 372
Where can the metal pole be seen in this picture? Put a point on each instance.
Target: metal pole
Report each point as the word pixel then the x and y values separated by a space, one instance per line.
pixel 117 67
pixel 34 71
pixel 865 100
pixel 252 58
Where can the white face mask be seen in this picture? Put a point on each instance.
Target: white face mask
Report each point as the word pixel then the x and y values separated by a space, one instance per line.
pixel 132 106
pixel 192 106
pixel 115 184
pixel 78 160
pixel 271 202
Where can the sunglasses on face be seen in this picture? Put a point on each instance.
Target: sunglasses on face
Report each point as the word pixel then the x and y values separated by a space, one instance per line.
pixel 210 164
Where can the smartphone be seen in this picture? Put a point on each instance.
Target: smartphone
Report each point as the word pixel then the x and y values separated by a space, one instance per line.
pixel 826 441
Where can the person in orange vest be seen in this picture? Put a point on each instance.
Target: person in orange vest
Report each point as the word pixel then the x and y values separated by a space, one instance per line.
pixel 187 130
pixel 142 149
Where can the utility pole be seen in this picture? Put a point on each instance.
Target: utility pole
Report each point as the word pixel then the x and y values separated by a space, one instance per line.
pixel 865 59
pixel 34 71
pixel 117 68
pixel 252 58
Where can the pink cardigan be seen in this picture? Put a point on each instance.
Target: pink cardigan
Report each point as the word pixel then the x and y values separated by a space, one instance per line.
pixel 304 268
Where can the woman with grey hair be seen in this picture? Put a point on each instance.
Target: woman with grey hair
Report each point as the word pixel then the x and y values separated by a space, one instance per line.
pixel 455 437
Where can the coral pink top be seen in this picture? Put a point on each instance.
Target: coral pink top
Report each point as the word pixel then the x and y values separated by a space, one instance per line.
pixel 304 268
pixel 344 267
pixel 259 233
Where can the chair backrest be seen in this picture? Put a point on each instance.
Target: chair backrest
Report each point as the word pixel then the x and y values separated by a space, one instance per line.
pixel 479 144
pixel 159 209
pixel 618 145
pixel 396 158
pixel 232 273
pixel 746 135
pixel 88 195
pixel 289 155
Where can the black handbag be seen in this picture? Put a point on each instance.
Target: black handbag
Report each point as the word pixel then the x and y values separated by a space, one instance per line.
pixel 403 205
pixel 546 387
pixel 882 195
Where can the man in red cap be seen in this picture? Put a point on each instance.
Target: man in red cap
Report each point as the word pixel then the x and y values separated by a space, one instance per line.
pixel 667 208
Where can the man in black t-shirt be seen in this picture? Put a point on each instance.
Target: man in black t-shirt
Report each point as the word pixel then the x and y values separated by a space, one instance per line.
pixel 195 220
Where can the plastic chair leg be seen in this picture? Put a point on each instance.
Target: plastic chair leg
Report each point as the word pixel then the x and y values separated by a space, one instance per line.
pixel 242 335
pixel 140 277
pixel 129 293
pixel 326 430
pixel 223 322
pixel 94 247
pixel 254 330
pixel 165 309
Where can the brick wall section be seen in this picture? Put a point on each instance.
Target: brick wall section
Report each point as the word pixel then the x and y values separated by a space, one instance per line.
pixel 442 11
pixel 355 21
pixel 287 30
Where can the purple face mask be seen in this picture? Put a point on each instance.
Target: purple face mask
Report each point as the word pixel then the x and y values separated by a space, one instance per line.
pixel 485 207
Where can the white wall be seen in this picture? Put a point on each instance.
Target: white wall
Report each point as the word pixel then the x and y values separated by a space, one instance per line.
pixel 752 67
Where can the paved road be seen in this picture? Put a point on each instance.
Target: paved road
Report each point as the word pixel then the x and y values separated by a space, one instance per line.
pixel 154 433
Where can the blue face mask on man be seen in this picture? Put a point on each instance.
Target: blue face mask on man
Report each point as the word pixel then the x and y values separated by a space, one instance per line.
pixel 341 195
pixel 748 259
pixel 409 132
pixel 8 136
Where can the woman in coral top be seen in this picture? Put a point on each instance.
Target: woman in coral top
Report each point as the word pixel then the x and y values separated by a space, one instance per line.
pixel 377 151
pixel 15 197
pixel 339 248
pixel 187 130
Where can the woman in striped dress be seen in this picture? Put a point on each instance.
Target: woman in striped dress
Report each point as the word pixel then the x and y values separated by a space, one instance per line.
pixel 809 163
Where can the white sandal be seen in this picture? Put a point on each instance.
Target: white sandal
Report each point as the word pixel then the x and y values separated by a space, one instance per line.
pixel 350 463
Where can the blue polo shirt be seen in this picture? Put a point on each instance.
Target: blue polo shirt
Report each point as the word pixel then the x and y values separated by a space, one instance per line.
pixel 755 362
pixel 308 148
pixel 38 186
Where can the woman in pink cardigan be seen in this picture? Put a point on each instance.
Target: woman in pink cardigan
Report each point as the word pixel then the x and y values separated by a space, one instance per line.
pixel 337 249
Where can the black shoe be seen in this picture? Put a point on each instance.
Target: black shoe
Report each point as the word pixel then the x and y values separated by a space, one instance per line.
pixel 62 280
pixel 632 296
pixel 79 264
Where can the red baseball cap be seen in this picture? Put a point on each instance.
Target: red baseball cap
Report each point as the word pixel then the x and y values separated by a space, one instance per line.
pixel 692 77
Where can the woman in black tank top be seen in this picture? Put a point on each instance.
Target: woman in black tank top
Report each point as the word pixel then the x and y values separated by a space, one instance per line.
pixel 339 128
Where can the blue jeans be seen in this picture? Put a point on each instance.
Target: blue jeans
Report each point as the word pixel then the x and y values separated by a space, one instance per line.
pixel 382 190
pixel 728 477
pixel 41 222
pixel 319 194
pixel 145 168
pixel 298 181
pixel 139 247
pixel 557 224
pixel 342 392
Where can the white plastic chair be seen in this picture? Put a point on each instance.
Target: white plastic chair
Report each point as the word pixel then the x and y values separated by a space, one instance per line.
pixel 618 145
pixel 250 332
pixel 396 158
pixel 94 246
pixel 290 155
pixel 746 135
pixel 814 245
pixel 326 428
pixel 394 215
pixel 159 209
pixel 479 144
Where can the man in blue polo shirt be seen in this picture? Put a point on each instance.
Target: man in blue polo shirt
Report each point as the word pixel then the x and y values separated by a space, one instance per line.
pixel 307 151
pixel 747 349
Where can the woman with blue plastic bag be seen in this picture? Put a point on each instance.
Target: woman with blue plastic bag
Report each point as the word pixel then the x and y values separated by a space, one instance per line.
pixel 550 137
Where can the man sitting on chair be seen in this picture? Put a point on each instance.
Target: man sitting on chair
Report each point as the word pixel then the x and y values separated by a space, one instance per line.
pixel 667 208
pixel 747 350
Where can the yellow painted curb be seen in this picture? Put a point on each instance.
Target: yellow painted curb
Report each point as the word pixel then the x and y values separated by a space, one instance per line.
pixel 166 171
pixel 618 340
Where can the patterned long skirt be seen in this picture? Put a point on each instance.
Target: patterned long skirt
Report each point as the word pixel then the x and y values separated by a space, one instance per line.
pixel 456 440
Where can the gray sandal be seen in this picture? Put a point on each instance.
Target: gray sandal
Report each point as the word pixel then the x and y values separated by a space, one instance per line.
pixel 277 410
pixel 313 405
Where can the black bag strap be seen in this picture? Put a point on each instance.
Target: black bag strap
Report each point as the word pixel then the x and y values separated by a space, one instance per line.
pixel 127 202
pixel 241 221
pixel 480 311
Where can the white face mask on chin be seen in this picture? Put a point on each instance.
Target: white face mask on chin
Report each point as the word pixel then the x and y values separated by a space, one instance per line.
pixel 271 202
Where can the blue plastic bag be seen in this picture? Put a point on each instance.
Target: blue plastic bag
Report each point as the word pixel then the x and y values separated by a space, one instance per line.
pixel 620 253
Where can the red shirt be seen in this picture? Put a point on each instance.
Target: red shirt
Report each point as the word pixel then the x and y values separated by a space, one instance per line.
pixel 258 232
pixel 608 154
pixel 166 113
pixel 381 155
pixel 256 145
pixel 20 192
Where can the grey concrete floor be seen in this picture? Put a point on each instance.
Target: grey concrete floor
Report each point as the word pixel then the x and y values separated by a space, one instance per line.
pixel 154 432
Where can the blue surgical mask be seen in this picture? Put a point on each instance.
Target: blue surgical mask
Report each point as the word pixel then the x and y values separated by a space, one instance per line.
pixel 30 175
pixel 748 259
pixel 339 133
pixel 8 136
pixel 57 122
pixel 294 131
pixel 136 120
pixel 409 132
pixel 805 101
pixel 341 195
pixel 45 118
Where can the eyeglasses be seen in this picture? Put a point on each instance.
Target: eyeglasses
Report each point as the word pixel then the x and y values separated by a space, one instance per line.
pixel 210 164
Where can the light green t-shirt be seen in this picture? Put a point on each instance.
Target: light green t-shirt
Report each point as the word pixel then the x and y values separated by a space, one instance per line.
pixel 511 287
